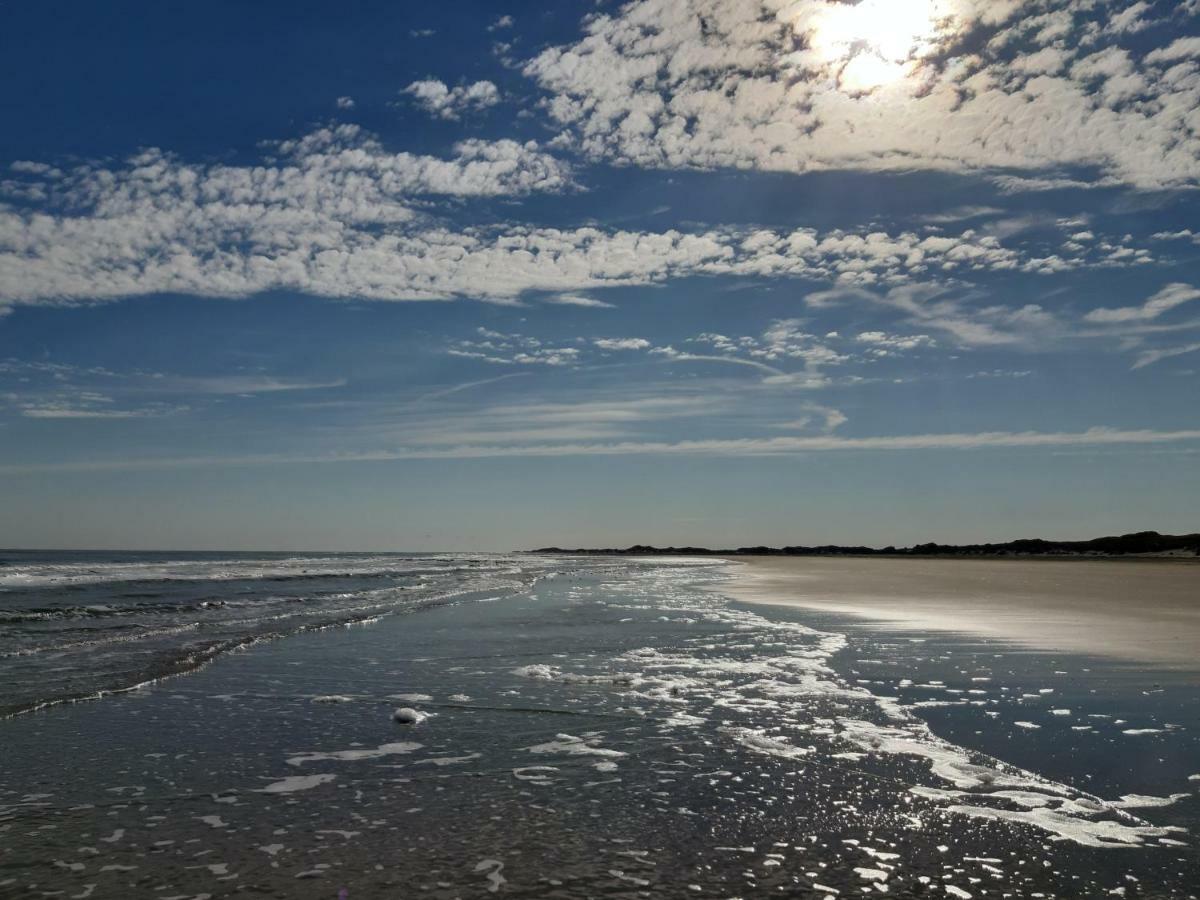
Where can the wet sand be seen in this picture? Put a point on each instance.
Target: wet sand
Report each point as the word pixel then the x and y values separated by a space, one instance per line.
pixel 1147 611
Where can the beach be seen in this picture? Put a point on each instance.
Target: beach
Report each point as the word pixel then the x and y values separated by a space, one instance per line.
pixel 1144 611
pixel 591 727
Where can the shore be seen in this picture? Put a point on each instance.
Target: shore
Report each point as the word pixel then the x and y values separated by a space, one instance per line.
pixel 1147 613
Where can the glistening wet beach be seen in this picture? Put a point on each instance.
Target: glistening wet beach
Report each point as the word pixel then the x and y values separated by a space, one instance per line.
pixel 620 729
pixel 1145 611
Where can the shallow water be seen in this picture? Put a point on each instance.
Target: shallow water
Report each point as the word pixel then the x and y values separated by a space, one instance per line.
pixel 621 729
pixel 74 625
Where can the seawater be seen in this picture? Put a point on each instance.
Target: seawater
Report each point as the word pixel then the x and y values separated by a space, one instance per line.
pixel 79 625
pixel 610 727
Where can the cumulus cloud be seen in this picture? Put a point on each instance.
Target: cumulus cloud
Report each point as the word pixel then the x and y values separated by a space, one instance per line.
pixel 1171 296
pixel 445 102
pixel 335 216
pixel 803 85
pixel 334 207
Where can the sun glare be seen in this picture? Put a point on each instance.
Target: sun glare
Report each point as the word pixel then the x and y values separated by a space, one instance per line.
pixel 873 39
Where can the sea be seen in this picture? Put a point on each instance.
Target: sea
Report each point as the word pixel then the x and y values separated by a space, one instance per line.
pixel 202 725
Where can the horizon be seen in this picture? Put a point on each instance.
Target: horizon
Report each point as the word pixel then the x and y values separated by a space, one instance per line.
pixel 565 549
pixel 486 279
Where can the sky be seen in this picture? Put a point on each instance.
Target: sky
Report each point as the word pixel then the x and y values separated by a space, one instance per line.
pixel 495 276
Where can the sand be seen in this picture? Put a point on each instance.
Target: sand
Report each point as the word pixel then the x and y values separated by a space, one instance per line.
pixel 1146 611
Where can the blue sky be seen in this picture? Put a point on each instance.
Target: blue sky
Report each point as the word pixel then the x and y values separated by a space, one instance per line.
pixel 427 277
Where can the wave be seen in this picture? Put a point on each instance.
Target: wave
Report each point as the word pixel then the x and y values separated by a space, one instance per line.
pixel 114 647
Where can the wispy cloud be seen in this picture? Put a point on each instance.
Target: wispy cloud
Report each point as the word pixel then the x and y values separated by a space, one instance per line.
pixel 746 447
pixel 1169 297
pixel 577 300
pixel 1149 357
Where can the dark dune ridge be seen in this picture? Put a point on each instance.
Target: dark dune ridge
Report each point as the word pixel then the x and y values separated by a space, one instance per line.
pixel 1142 543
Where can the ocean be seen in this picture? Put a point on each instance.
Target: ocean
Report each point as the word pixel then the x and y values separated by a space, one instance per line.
pixel 210 725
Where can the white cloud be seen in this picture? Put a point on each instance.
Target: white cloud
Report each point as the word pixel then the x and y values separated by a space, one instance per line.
pixel 500 348
pixel 336 214
pixel 345 103
pixel 622 343
pixel 894 342
pixel 501 22
pixel 933 306
pixel 577 300
pixel 736 447
pixel 444 102
pixel 1181 48
pixel 1149 357
pixel 802 85
pixel 1171 296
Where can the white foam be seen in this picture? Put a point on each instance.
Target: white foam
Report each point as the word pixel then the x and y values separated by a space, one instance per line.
pixel 1104 833
pixel 760 742
pixel 871 874
pixel 411 698
pixel 1141 801
pixel 355 753
pixel 447 760
pixel 538 670
pixel 494 878
pixel 1137 731
pixel 570 745
pixel 294 783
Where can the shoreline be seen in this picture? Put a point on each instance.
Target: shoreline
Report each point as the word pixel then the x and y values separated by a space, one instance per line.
pixel 1142 614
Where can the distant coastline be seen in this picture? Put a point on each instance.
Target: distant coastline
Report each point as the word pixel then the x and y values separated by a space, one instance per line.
pixel 1140 545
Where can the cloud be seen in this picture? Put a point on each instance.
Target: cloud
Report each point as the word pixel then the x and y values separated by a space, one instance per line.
pixel 893 342
pixel 83 408
pixel 243 384
pixel 337 219
pixel 1171 296
pixel 345 103
pixel 829 417
pixel 500 348
pixel 444 102
pixel 336 214
pixel 501 22
pixel 935 306
pixel 1181 48
pixel 577 300
pixel 736 447
pixel 1150 357
pixel 807 85
pixel 622 343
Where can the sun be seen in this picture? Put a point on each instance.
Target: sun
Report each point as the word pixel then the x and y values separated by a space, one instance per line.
pixel 873 42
